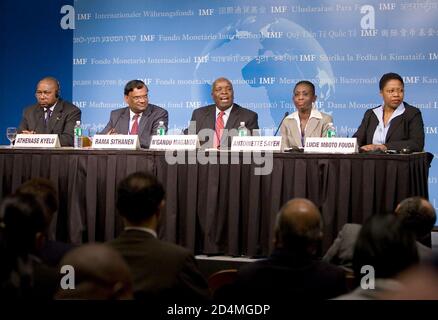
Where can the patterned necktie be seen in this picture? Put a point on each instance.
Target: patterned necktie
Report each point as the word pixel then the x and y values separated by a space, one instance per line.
pixel 48 114
pixel 134 128
pixel 218 130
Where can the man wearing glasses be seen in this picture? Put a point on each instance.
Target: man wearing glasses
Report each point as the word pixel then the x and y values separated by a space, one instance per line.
pixel 51 114
pixel 140 117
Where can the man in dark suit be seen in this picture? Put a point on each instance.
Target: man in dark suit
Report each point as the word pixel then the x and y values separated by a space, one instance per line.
pixel 51 114
pixel 216 123
pixel 161 271
pixel 140 117
pixel 292 270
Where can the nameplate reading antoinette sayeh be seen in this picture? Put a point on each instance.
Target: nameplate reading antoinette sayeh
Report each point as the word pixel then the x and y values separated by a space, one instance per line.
pixel 37 141
pixel 115 141
pixel 175 142
pixel 330 145
pixel 256 143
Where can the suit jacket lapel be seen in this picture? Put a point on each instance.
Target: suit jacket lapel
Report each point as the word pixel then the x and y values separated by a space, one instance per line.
pixel 395 123
pixel 39 121
pixel 55 117
pixel 143 120
pixel 311 126
pixel 208 120
pixel 122 126
pixel 295 133
pixel 233 118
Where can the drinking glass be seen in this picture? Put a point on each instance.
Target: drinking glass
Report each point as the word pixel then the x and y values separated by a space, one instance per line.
pixel 11 133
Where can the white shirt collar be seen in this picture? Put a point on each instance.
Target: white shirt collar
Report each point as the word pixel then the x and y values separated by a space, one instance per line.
pixel 313 114
pixel 144 229
pixel 132 114
pixel 227 112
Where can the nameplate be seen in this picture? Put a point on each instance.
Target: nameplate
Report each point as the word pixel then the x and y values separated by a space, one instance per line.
pixel 256 143
pixel 115 141
pixel 37 141
pixel 175 142
pixel 330 145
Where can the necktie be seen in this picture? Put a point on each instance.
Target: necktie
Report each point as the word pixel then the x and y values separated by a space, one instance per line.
pixel 48 114
pixel 218 130
pixel 134 128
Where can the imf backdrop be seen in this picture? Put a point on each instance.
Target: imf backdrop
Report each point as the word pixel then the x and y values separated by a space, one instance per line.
pixel 264 47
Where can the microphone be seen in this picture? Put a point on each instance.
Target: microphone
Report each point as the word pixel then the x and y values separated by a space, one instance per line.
pixel 285 115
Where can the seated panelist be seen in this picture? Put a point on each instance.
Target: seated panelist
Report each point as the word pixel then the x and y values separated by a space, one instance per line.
pixel 51 114
pixel 395 124
pixel 140 117
pixel 306 121
pixel 214 123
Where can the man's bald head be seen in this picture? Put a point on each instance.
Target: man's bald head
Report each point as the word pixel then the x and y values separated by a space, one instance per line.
pixel 100 273
pixel 298 225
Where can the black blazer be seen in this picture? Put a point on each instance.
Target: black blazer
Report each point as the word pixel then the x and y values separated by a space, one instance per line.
pixel 205 118
pixel 406 130
pixel 286 275
pixel 149 121
pixel 161 271
pixel 61 122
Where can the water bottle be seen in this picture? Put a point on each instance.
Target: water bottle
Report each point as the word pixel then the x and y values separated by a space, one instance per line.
pixel 161 130
pixel 242 130
pixel 78 135
pixel 331 131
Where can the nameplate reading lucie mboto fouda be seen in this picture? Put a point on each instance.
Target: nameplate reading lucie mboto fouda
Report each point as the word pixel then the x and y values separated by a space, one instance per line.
pixel 37 141
pixel 330 145
pixel 115 141
pixel 175 142
pixel 256 143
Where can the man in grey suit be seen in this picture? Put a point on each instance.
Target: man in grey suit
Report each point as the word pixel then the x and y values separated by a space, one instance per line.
pixel 51 114
pixel 416 214
pixel 204 120
pixel 161 271
pixel 140 117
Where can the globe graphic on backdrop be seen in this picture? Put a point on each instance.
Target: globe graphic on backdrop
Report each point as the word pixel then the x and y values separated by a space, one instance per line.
pixel 247 52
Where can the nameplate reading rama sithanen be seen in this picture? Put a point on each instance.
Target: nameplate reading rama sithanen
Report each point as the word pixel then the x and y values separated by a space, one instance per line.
pixel 256 143
pixel 330 145
pixel 175 142
pixel 115 141
pixel 37 141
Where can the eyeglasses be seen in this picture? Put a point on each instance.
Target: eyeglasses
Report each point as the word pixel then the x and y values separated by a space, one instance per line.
pixel 140 98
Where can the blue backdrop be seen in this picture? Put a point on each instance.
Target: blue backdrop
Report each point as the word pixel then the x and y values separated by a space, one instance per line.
pixel 264 47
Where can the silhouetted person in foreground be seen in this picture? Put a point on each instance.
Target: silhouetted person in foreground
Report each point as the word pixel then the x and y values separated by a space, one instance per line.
pixel 100 273
pixel 161 271
pixel 292 271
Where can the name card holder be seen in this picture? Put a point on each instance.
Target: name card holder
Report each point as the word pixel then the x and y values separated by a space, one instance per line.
pixel 331 145
pixel 256 143
pixel 37 141
pixel 115 141
pixel 175 142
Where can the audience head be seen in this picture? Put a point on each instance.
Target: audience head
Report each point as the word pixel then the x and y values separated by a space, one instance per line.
pixel 136 95
pixel 418 215
pixel 222 93
pixel 385 245
pixel 100 273
pixel 47 92
pixel 298 226
pixel 140 197
pixel 45 193
pixel 391 87
pixel 23 224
